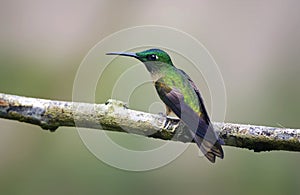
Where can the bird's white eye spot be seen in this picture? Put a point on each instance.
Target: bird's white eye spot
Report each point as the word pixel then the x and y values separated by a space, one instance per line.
pixel 152 57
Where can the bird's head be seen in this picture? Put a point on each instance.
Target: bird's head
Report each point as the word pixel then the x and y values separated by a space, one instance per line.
pixel 154 59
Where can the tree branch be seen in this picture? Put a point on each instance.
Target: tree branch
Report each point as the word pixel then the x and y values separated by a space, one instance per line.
pixel 115 116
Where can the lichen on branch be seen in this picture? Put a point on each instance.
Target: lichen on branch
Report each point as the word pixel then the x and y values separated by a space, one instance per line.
pixel 114 115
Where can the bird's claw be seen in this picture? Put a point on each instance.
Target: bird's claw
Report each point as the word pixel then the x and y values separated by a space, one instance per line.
pixel 174 127
pixel 166 125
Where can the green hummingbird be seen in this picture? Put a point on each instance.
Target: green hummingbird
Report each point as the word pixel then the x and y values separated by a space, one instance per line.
pixel 181 96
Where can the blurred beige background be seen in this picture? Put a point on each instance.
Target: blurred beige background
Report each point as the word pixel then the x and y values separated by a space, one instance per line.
pixel 255 43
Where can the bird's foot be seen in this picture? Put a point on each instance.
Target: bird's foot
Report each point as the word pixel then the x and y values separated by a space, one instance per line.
pixel 169 125
pixel 174 127
pixel 166 124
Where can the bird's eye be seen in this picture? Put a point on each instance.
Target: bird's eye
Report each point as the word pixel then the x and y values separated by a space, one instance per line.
pixel 152 57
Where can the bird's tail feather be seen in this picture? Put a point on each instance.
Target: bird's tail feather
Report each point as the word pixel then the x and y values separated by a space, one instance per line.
pixel 211 151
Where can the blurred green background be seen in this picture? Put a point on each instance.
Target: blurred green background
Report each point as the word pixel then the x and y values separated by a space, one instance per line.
pixel 255 43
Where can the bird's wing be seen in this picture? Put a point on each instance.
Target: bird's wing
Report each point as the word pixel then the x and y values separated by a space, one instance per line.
pixel 202 107
pixel 201 128
pixel 174 99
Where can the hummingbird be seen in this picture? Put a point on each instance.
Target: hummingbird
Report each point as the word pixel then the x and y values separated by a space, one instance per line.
pixel 181 96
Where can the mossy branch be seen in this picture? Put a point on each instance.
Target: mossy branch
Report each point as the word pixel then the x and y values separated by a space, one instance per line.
pixel 115 116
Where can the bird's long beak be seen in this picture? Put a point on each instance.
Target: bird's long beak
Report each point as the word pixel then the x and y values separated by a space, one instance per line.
pixel 130 54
